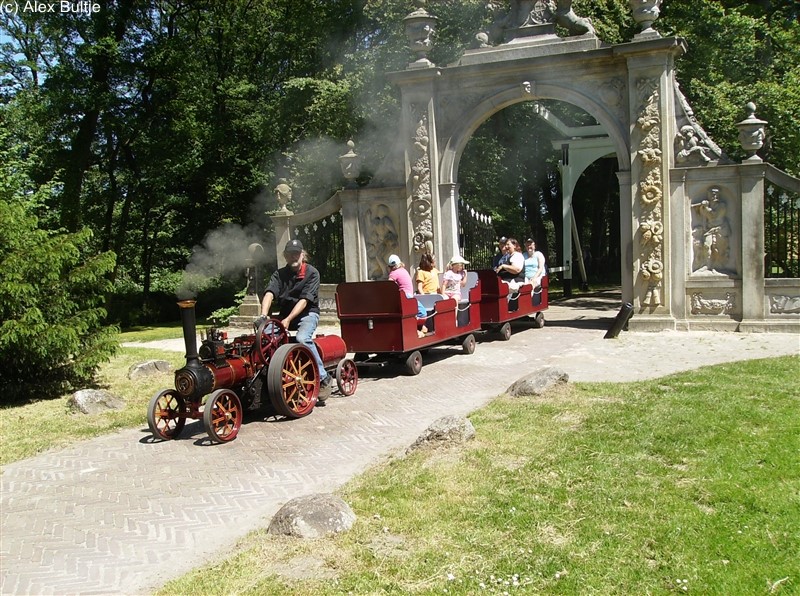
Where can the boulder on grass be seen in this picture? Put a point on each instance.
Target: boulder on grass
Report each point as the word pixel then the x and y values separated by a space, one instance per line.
pixel 448 429
pixel 151 367
pixel 95 401
pixel 313 516
pixel 538 382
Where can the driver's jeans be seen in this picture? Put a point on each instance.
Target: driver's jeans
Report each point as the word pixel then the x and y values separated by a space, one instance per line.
pixel 305 332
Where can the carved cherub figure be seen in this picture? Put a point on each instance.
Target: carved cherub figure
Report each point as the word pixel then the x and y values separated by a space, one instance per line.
pixel 690 149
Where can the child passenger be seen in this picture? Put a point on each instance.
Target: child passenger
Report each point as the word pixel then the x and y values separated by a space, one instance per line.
pixel 455 278
pixel 427 275
pixel 399 275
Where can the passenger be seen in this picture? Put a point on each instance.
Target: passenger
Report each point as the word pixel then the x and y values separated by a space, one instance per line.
pixel 455 278
pixel 427 275
pixel 399 275
pixel 502 254
pixel 295 288
pixel 512 271
pixel 534 264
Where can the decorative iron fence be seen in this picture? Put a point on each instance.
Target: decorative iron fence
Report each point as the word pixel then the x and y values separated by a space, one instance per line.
pixel 323 240
pixel 782 232
pixel 476 236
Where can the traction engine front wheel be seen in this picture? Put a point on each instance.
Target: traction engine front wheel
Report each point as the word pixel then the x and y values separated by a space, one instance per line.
pixel 166 414
pixel 293 381
pixel 222 415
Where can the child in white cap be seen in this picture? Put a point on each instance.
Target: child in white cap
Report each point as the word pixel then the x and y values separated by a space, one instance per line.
pixel 454 278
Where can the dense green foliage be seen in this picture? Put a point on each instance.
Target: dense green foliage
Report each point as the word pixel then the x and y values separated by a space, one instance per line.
pixel 52 287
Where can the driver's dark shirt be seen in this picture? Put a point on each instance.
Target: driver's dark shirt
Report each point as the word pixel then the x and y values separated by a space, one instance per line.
pixel 289 288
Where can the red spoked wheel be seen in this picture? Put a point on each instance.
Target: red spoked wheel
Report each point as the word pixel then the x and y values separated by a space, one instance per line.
pixel 270 335
pixel 293 381
pixel 347 376
pixel 166 414
pixel 222 415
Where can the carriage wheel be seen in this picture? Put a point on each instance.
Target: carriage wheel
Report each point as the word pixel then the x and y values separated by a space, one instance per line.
pixel 414 363
pixel 505 331
pixel 166 414
pixel 293 381
pixel 270 335
pixel 347 376
pixel 468 345
pixel 538 320
pixel 222 415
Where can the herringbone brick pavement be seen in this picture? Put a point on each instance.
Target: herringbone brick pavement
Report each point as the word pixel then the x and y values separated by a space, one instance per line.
pixel 122 514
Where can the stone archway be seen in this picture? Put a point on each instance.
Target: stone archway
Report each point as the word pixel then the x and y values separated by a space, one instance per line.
pixel 667 165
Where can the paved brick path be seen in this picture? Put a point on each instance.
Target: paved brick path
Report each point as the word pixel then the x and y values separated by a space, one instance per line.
pixel 122 514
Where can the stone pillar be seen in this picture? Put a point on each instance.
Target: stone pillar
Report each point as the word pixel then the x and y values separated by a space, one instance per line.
pixel 626 236
pixel 652 117
pixel 426 231
pixel 352 236
pixel 447 230
pixel 752 242
pixel 282 221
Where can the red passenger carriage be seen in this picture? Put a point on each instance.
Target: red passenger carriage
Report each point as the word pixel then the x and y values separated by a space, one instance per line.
pixel 499 305
pixel 379 322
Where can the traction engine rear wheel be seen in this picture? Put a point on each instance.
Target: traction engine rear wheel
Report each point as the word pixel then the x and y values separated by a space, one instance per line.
pixel 166 414
pixel 293 381
pixel 222 415
pixel 347 376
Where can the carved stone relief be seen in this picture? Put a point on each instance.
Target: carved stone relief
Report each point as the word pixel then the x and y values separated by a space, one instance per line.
pixel 705 147
pixel 711 235
pixel 713 306
pixel 421 209
pixel 689 149
pixel 780 304
pixel 381 238
pixel 650 193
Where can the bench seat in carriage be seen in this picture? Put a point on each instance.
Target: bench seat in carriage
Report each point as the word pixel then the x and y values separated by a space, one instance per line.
pixel 500 305
pixel 379 323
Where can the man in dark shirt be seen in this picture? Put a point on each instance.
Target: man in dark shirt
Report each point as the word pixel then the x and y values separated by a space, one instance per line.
pixel 295 287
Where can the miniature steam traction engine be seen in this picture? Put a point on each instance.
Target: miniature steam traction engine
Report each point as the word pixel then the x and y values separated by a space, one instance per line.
pixel 236 376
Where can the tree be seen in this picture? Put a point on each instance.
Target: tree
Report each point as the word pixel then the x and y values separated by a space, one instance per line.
pixel 52 331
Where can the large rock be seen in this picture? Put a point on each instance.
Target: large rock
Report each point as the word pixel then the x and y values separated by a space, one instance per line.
pixel 151 367
pixel 538 382
pixel 95 401
pixel 313 516
pixel 448 429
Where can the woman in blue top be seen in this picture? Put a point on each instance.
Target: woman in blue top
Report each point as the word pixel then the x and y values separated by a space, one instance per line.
pixel 534 264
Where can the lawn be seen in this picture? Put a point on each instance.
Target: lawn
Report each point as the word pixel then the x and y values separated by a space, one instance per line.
pixel 686 484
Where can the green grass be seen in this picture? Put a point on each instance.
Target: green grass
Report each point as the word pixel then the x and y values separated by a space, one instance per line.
pixel 153 332
pixel 46 424
pixel 685 484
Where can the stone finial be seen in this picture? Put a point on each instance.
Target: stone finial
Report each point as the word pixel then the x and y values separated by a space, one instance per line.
pixel 751 133
pixel 420 27
pixel 350 163
pixel 283 194
pixel 645 13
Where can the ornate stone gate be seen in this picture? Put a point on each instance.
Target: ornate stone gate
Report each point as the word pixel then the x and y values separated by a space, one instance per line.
pixel 686 209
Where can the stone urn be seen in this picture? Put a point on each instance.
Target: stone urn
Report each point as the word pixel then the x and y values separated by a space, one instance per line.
pixel 420 27
pixel 645 12
pixel 751 132
pixel 350 163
